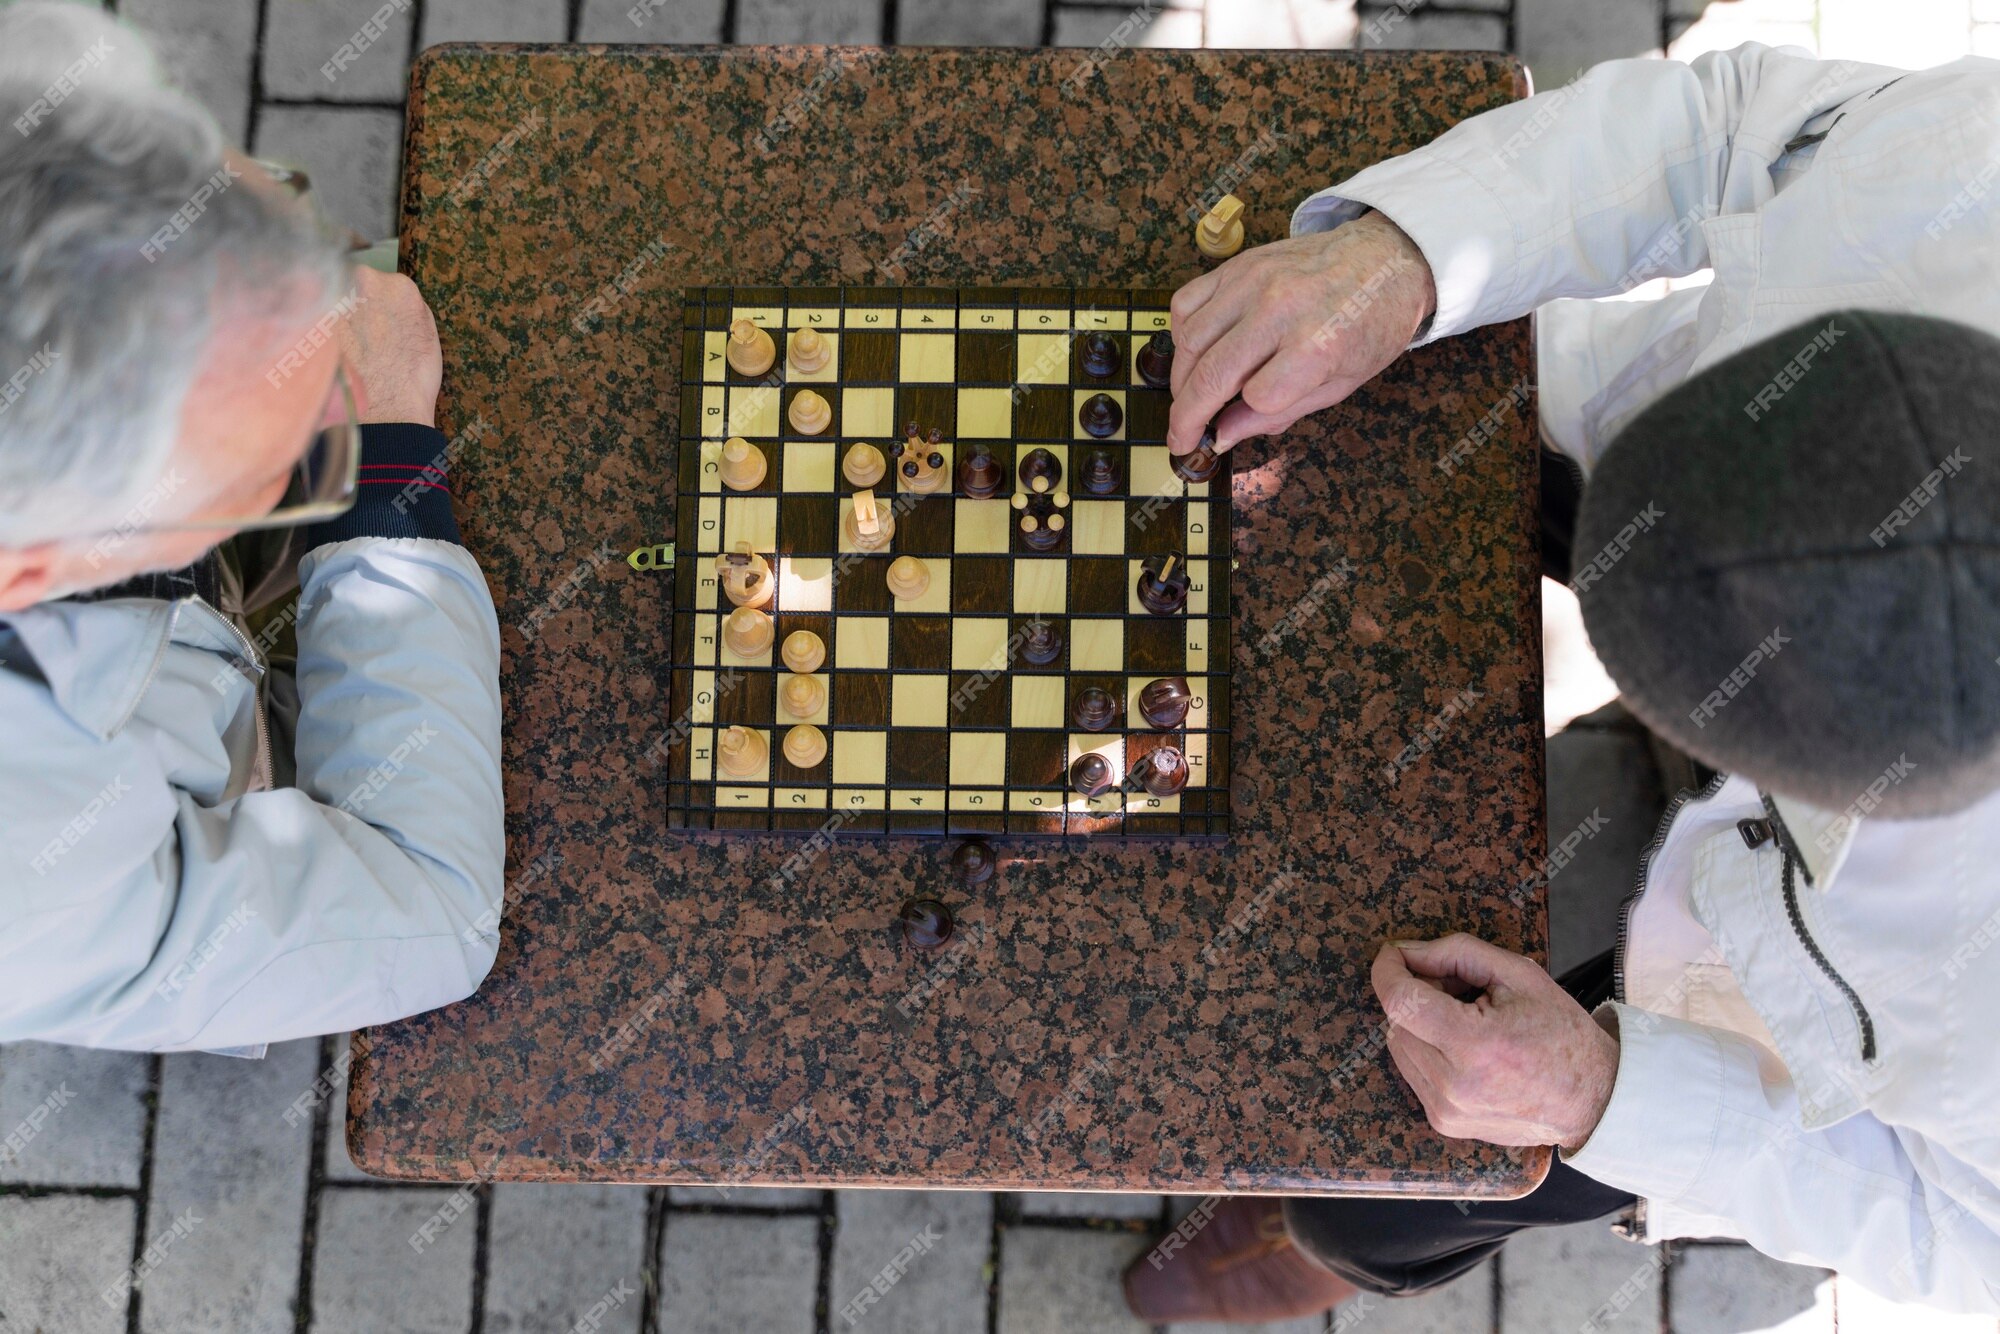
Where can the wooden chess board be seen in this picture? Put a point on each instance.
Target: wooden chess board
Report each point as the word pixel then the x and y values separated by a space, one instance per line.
pixel 936 723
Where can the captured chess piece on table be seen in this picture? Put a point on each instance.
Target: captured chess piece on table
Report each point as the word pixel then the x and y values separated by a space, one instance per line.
pixel 751 351
pixel 1219 234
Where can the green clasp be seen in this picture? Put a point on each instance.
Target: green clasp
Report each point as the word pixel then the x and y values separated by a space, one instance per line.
pixel 660 557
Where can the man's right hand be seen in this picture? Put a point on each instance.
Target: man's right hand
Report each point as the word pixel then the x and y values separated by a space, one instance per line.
pixel 391 345
pixel 1293 327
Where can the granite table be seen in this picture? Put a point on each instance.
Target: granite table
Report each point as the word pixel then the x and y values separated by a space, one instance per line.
pixel 1138 1016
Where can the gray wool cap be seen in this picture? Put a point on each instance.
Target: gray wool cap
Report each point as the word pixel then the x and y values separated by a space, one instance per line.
pixel 1791 564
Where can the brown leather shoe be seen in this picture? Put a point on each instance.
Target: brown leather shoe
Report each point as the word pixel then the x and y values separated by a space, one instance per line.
pixel 1239 1265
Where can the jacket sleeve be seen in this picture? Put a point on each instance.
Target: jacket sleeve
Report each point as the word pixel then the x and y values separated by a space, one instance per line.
pixel 368 892
pixel 1597 186
pixel 1715 1146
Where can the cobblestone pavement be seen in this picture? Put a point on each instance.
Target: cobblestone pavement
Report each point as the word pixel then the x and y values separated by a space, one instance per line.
pixel 200 1193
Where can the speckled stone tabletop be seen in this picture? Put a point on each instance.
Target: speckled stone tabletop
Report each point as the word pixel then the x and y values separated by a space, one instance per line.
pixel 1136 1016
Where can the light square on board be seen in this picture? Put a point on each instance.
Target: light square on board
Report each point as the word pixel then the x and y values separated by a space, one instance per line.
pixel 1096 644
pixel 981 527
pixel 1153 472
pixel 1097 527
pixel 860 759
pixel 985 414
pixel 862 642
pixel 1038 701
pixel 1041 358
pixel 1041 586
pixel 805 583
pixel 868 414
pixel 978 759
pixel 927 357
pixel 919 699
pixel 979 643
pixel 809 466
pixel 752 519
pixel 753 411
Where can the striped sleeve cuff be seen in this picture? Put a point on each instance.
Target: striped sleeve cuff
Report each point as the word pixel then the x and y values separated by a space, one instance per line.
pixel 403 491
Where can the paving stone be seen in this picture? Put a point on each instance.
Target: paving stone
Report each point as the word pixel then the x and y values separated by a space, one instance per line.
pixel 1092 1204
pixel 746 1197
pixel 1559 39
pixel 1093 27
pixel 70 1116
pixel 1462 1305
pixel 559 1251
pixel 668 21
pixel 927 1247
pixel 57 1256
pixel 206 49
pixel 1560 1277
pixel 494 21
pixel 1729 1289
pixel 1318 25
pixel 1305 1324
pixel 1863 1312
pixel 725 1274
pixel 1431 32
pixel 956 23
pixel 339 1167
pixel 304 39
pixel 367 1277
pixel 801 21
pixel 225 1149
pixel 353 155
pixel 1726 28
pixel 1801 11
pixel 1060 1280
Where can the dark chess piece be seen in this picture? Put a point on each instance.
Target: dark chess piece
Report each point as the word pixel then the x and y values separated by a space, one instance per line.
pixel 1040 644
pixel 1094 709
pixel 1100 356
pixel 1039 471
pixel 1156 360
pixel 927 924
pixel 1200 463
pixel 1091 774
pixel 1165 773
pixel 1099 474
pixel 1043 524
pixel 973 863
pixel 1163 702
pixel 1100 416
pixel 1163 585
pixel 980 474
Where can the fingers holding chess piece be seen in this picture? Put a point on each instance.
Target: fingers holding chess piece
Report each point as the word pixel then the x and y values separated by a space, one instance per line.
pixel 802 696
pixel 804 651
pixel 742 753
pixel 745 577
pixel 1155 361
pixel 1219 234
pixel 810 350
pixel 863 464
pixel 805 746
pixel 747 632
pixel 1164 701
pixel 742 465
pixel 751 351
pixel 1200 463
pixel 1163 584
pixel 1100 416
pixel 909 578
pixel 809 413
pixel 868 525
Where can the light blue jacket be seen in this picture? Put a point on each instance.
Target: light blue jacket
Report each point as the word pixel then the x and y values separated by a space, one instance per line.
pixel 149 901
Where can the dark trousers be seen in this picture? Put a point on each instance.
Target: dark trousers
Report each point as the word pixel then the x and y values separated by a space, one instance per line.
pixel 1399 1247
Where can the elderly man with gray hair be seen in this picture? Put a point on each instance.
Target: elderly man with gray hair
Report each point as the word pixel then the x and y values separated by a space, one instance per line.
pixel 201 403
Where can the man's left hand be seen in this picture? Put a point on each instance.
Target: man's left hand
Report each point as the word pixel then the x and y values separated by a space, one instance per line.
pixel 1494 1048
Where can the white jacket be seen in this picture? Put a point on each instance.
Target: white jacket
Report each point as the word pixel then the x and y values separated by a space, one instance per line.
pixel 1816 1071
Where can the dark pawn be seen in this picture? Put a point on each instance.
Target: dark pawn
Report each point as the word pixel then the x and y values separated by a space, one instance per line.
pixel 1100 416
pixel 1040 644
pixel 1040 465
pixel 973 863
pixel 1166 772
pixel 1094 709
pixel 1163 585
pixel 1163 703
pixel 1156 360
pixel 1100 355
pixel 980 474
pixel 926 923
pixel 1100 473
pixel 1091 774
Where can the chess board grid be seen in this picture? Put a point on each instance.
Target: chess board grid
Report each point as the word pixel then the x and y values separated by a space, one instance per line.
pixel 802 526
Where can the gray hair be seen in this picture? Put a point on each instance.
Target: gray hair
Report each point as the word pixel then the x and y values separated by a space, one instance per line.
pixel 118 235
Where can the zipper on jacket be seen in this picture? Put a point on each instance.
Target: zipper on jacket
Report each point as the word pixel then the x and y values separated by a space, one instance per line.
pixel 1765 829
pixel 1680 799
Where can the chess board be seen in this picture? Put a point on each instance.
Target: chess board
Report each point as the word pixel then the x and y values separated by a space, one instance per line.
pixel 936 724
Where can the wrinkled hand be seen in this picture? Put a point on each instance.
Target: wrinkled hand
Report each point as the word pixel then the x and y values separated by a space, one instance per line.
pixel 1294 326
pixel 391 345
pixel 1516 1062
